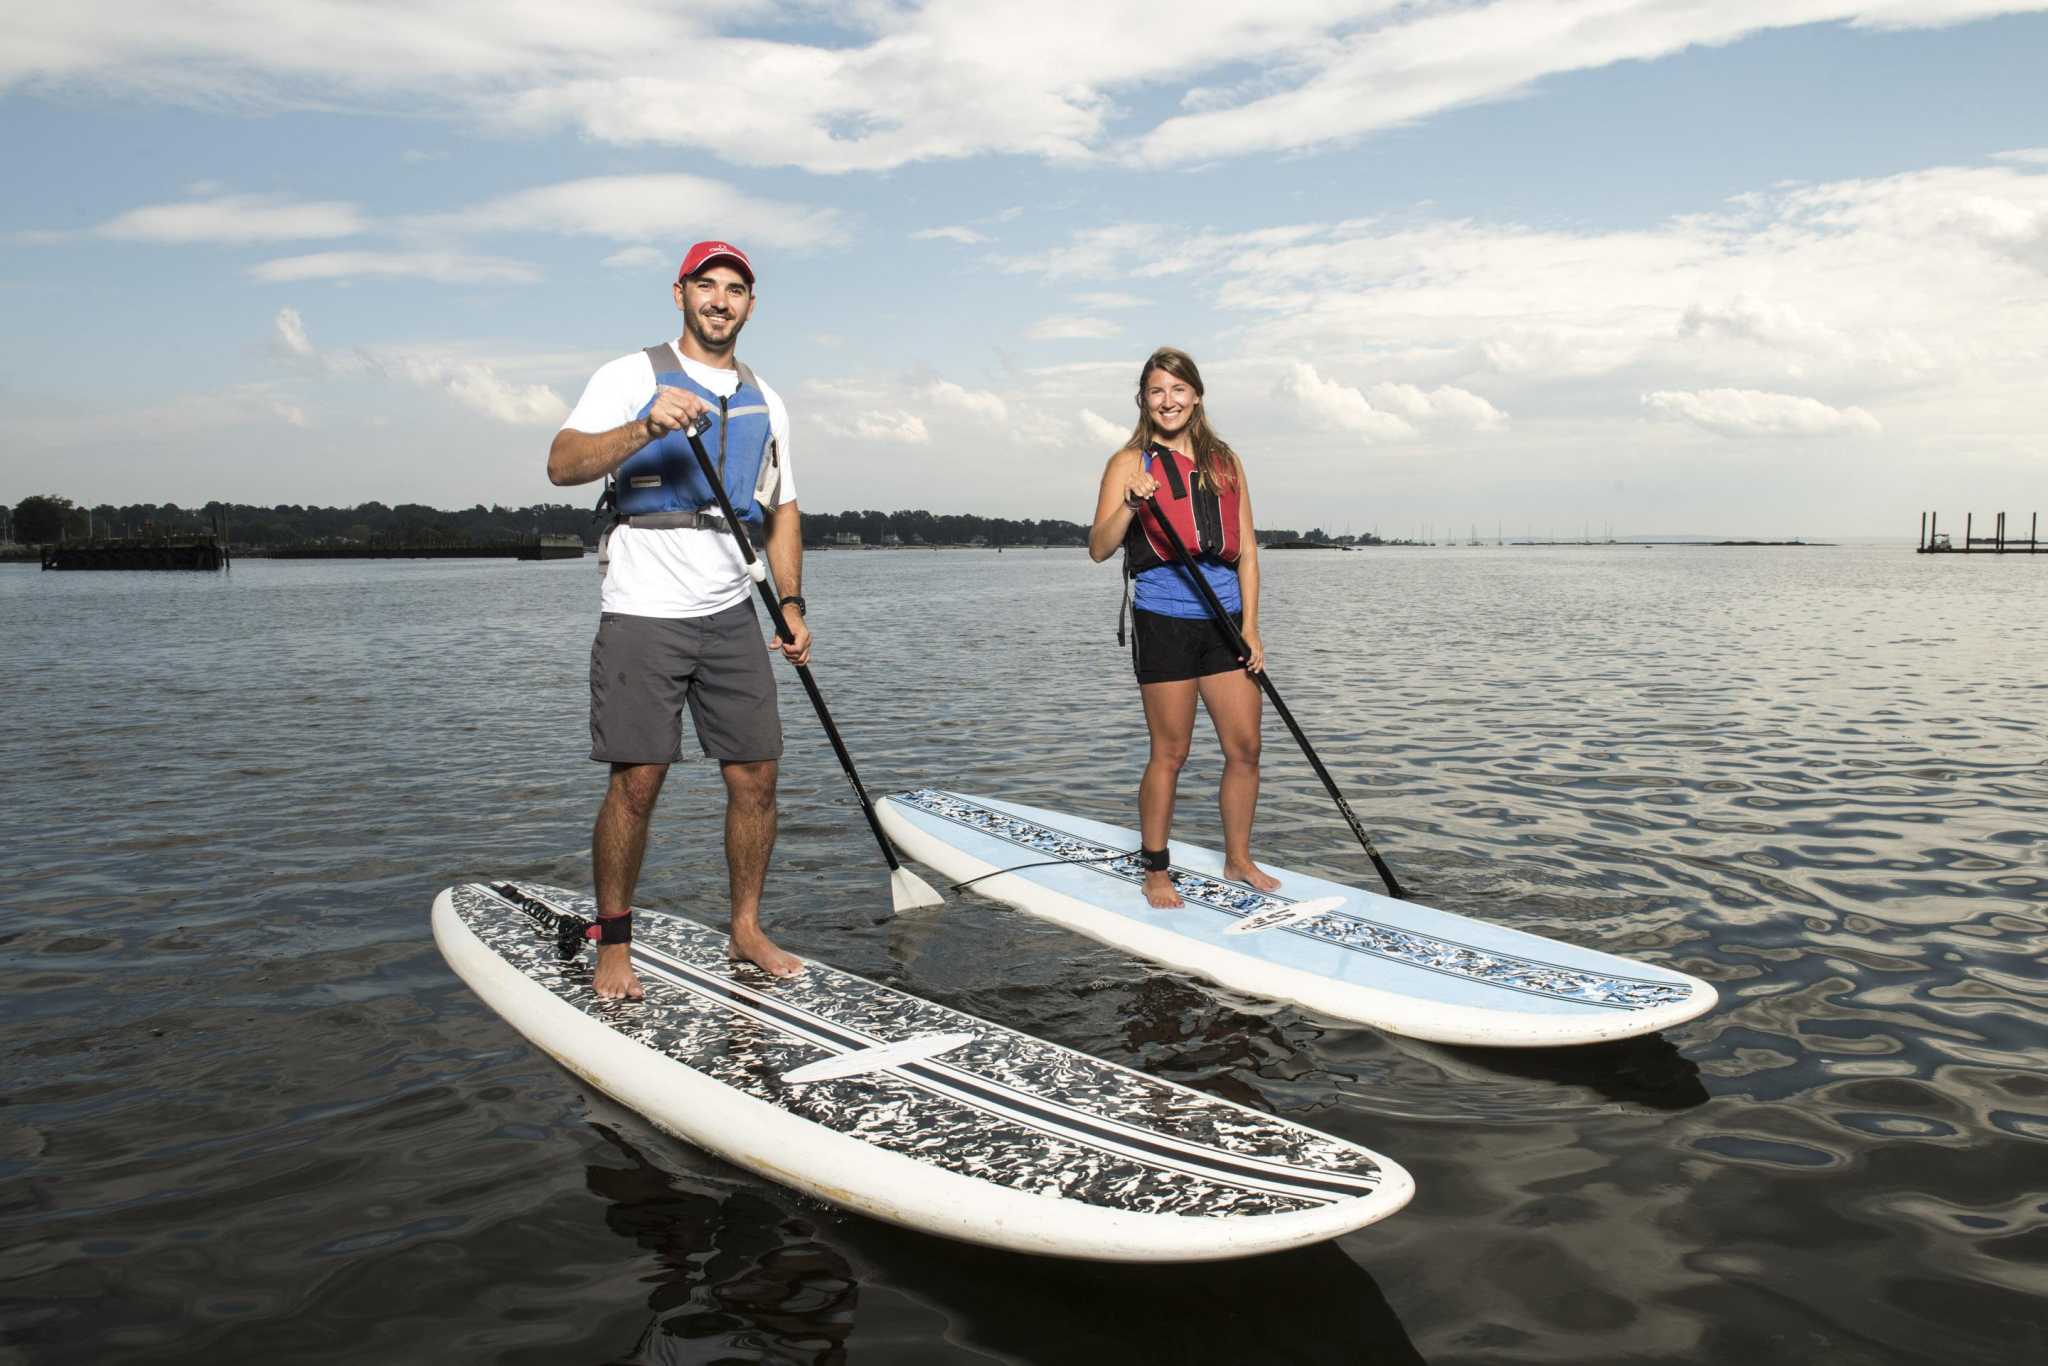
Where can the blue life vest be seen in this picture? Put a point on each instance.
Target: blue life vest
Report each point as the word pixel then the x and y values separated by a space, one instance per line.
pixel 662 476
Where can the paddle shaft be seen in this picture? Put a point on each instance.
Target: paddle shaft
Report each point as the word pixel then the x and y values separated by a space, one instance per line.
pixel 759 574
pixel 1229 627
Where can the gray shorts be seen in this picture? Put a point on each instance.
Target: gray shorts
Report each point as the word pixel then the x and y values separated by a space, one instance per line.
pixel 643 670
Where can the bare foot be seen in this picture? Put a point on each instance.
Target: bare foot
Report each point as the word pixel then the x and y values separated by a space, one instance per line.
pixel 1159 892
pixel 752 946
pixel 615 979
pixel 1250 875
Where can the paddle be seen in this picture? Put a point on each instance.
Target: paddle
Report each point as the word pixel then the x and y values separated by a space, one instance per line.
pixel 906 889
pixel 1229 627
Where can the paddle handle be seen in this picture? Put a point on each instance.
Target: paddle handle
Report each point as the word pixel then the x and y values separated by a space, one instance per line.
pixel 759 573
pixel 1237 641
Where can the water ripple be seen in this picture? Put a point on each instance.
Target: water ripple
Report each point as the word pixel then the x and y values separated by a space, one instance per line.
pixel 251 1115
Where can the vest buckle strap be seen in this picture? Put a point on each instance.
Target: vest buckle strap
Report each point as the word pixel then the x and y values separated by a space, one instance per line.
pixel 670 521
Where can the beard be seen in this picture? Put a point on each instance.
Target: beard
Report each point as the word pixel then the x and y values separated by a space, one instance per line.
pixel 702 328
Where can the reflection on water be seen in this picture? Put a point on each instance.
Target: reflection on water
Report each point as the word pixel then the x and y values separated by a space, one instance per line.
pixel 250 1115
pixel 767 1276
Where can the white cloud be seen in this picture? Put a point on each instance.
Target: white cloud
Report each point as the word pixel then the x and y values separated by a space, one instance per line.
pixel 473 384
pixel 1101 431
pixel 978 404
pixel 1752 413
pixel 1339 406
pixel 638 258
pixel 1928 284
pixel 893 426
pixel 235 220
pixel 1429 59
pixel 291 332
pixel 899 83
pixel 667 207
pixel 443 267
pixel 478 386
pixel 965 236
pixel 1072 327
pixel 1109 302
pixel 1445 403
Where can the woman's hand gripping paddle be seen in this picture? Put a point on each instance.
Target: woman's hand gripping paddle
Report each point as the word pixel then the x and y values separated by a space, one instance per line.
pixel 906 889
pixel 1229 629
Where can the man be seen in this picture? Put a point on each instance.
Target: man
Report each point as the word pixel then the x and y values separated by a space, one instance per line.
pixel 677 626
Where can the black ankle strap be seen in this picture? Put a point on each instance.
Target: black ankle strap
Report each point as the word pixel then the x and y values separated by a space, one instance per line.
pixel 612 929
pixel 1155 860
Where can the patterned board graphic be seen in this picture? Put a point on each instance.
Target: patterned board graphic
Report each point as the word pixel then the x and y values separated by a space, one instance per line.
pixel 1005 1108
pixel 1343 928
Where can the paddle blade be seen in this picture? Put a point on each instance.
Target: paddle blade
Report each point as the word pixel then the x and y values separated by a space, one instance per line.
pixel 909 891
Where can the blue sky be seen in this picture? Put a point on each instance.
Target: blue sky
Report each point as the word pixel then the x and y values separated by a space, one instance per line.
pixel 1761 269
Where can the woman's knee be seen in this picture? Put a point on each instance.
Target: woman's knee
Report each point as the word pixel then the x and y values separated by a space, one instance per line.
pixel 1242 753
pixel 1171 755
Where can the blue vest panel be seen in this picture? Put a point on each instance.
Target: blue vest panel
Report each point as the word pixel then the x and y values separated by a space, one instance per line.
pixel 662 476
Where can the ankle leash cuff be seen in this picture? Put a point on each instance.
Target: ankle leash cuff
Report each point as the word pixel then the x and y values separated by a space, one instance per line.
pixel 616 929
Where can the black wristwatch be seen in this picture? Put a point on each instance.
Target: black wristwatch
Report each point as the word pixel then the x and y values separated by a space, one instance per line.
pixel 797 598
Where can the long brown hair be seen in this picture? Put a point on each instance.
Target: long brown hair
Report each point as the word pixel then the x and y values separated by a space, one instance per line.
pixel 1215 462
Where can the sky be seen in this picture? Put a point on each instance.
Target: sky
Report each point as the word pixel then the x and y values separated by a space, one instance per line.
pixel 1534 266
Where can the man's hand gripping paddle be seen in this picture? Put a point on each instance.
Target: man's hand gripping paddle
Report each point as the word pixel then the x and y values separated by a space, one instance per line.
pixel 906 889
pixel 1229 629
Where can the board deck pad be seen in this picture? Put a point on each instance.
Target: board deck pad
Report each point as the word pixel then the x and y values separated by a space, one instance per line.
pixel 1419 971
pixel 1003 1107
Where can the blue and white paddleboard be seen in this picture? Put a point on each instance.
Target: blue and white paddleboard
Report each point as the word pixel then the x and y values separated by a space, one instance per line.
pixel 1351 954
pixel 874 1100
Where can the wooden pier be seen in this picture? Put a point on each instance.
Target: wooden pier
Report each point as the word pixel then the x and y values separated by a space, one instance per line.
pixel 524 548
pixel 1934 541
pixel 139 552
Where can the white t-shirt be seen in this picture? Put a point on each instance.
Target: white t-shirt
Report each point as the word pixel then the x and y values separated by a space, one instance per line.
pixel 674 571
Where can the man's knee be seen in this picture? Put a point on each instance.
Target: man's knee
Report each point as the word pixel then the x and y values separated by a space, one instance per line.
pixel 636 788
pixel 750 786
pixel 1243 753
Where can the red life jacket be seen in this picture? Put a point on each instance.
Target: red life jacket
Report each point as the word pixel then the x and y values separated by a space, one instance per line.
pixel 1207 520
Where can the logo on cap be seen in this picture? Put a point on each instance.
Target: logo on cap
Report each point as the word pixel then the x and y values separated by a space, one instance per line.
pixel 707 254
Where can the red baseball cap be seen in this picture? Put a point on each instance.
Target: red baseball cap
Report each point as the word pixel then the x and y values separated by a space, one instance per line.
pixel 707 254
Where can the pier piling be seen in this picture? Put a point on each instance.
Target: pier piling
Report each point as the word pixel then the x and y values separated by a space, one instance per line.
pixel 1933 542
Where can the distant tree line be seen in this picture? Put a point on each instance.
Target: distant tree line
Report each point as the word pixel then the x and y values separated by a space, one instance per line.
pixel 46 518
pixel 1315 536
pixel 918 527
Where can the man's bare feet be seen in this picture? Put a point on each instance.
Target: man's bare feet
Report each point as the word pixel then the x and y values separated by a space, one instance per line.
pixel 1159 892
pixel 751 946
pixel 615 979
pixel 1250 874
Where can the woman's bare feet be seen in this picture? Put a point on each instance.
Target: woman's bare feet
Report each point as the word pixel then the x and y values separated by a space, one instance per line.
pixel 615 979
pixel 749 945
pixel 1159 892
pixel 1250 874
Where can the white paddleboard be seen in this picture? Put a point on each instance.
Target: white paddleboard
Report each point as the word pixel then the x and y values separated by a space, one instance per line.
pixel 899 1108
pixel 1352 954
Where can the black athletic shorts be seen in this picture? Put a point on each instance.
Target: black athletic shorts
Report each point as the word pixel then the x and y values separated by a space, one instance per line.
pixel 1169 649
pixel 646 671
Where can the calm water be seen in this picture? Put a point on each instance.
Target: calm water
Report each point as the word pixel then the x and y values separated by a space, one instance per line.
pixel 249 1115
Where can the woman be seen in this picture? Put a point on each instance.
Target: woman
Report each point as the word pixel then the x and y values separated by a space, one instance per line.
pixel 1177 648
